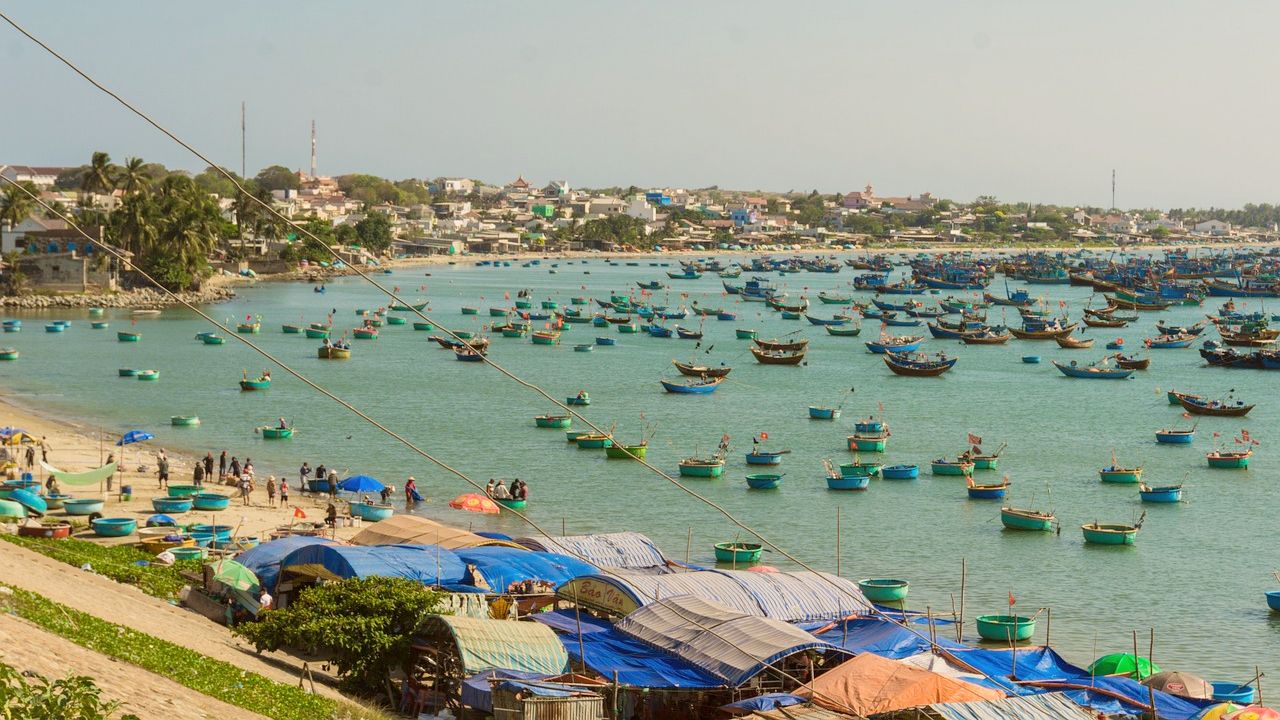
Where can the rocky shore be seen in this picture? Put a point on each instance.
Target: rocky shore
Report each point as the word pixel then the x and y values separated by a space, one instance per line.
pixel 139 298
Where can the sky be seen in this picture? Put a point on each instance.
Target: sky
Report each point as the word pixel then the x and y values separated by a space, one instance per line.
pixel 1026 101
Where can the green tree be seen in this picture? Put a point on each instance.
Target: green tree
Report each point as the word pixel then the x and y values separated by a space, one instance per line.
pixel 214 182
pixel 363 626
pixel 374 232
pixel 278 177
pixel 171 230
pixel 1159 232
pixel 100 178
pixel 133 176
pixel 16 205
pixel 31 696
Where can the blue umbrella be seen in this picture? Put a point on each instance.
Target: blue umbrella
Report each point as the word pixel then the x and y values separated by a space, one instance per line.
pixel 161 521
pixel 361 484
pixel 8 432
pixel 134 436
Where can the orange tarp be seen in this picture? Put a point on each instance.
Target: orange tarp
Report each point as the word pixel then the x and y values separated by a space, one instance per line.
pixel 870 684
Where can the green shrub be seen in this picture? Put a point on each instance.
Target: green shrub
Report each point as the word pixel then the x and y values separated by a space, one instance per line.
pixel 34 697
pixel 121 563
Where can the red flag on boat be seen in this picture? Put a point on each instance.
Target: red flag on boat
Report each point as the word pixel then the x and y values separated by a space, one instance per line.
pixel 1011 600
pixel 297 512
pixel 975 439
pixel 1217 435
pixel 1244 434
pixel 764 436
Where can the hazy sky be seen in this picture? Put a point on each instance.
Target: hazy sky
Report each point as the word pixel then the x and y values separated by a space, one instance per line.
pixel 1023 100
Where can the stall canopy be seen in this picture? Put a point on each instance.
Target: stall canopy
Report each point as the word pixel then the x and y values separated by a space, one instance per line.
pixel 88 477
pixel 264 560
pixel 477 690
pixel 501 567
pixel 426 564
pixel 870 684
pixel 1047 706
pixel 630 551
pixel 729 644
pixel 501 644
pixel 786 596
pixel 414 530
pixel 883 637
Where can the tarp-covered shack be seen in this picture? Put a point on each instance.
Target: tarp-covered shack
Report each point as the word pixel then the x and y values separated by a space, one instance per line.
pixel 630 551
pixel 786 596
pixel 427 564
pixel 414 530
pixel 264 560
pixel 447 649
pixel 869 685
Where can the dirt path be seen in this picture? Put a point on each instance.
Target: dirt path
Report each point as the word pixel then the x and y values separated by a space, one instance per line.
pixel 125 605
pixel 145 694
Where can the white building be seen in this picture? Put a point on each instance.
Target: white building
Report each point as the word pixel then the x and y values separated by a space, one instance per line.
pixel 1212 227
pixel 640 209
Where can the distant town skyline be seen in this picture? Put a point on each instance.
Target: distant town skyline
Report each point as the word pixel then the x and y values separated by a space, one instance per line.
pixel 1027 102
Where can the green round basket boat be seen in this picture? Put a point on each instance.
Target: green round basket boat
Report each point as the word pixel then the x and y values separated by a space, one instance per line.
pixel 188 553
pixel 511 503
pixel 148 375
pixel 884 590
pixel 1006 628
pixel 738 552
pixel 184 420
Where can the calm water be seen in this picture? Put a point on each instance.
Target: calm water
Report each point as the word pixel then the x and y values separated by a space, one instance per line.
pixel 1197 573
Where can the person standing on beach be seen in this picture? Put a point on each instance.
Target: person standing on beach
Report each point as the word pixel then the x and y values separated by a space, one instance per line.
pixel 284 493
pixel 31 458
pixel 222 465
pixel 208 465
pixel 246 488
pixel 162 468
pixel 197 475
pixel 271 491
pixel 304 472
pixel 234 468
pixel 44 449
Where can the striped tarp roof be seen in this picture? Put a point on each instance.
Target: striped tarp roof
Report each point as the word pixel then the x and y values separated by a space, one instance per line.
pixel 786 596
pixel 485 644
pixel 626 550
pixel 731 645
pixel 1045 706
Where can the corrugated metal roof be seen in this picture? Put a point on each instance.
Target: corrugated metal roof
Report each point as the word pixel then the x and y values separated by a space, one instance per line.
pixel 786 596
pixel 503 644
pixel 624 550
pixel 797 712
pixel 1047 706
pixel 732 645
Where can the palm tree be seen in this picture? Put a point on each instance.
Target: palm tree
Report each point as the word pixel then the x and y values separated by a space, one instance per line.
pixel 100 178
pixel 133 176
pixel 16 205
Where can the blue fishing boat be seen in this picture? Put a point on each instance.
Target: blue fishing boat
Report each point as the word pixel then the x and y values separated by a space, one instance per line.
pixel 869 426
pixel 823 413
pixel 906 322
pixel 1170 342
pixel 1176 437
pixel 986 492
pixel 1165 494
pixel 726 316
pixel 658 331
pixel 900 472
pixel 766 457
pixel 906 343
pixel 848 477
pixel 1092 371
pixel 1273 600
pixel 606 341
pixel 763 481
pixel 693 386
pixel 373 512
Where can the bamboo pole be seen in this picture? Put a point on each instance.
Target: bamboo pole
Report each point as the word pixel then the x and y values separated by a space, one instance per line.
pixel 1137 669
pixel 688 544
pixel 1048 625
pixel 960 620
pixel 1151 691
pixel 837 541
pixel 1257 676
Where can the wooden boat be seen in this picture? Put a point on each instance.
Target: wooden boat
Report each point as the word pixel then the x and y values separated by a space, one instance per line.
pixel 1170 342
pixel 1094 322
pixel 778 357
pixel 276 433
pixel 1124 304
pixel 553 421
pixel 868 442
pixel 702 467
pixel 1175 437
pixel 594 441
pixel 1051 333
pixel 630 328
pixel 1116 474
pixel 942 466
pixel 693 370
pixel 1214 408
pixel 843 331
pixel 393 320
pixel 987 462
pixel 882 591
pixel 766 457
pixel 1132 363
pixel 845 481
pixel 365 333
pixel 467 310
pixel 512 503
pixel 252 328
pixel 423 326
pixel 1093 371
pixel 1223 459
pixel 99 324
pixel 544 337
pixel 619 452
pixel 371 512
pixel 684 334
pixel 57 327
pixel 1099 534
pixel 1071 342
pixel 738 553
pixel 584 347
pixel 123 336
pixel 315 333
pixel 608 341
pixel 1164 494
pixel 987 336
pixel 129 372
pixel 900 344
pixel 823 413
pixel 331 352
pixel 900 472
pixel 1023 519
pixel 1005 628
pixel 919 365
pixel 466 353
pixel 742 334
pixel 830 298
pixel 401 307
pixel 581 399
pixel 184 420
pixel 9 353
pixel 780 346
pixel 692 387
pixel 148 375
pixel 763 481
pixel 291 329
pixel 261 383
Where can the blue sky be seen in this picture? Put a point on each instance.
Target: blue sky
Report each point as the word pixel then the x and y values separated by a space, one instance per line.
pixel 1029 101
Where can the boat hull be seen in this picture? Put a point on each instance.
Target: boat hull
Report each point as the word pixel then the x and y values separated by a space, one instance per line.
pixel 818 413
pixel 373 512
pixel 884 590
pixel 701 469
pixel 738 553
pixel 1175 437
pixel 626 451
pixel 900 472
pixel 763 481
pixel 1005 628
pixel 1015 519
pixel 949 468
pixel 849 482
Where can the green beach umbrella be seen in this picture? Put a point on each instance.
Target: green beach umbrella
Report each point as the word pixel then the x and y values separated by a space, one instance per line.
pixel 234 575
pixel 1122 664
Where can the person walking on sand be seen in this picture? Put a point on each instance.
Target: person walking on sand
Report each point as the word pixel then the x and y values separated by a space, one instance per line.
pixel 246 488
pixel 44 449
pixel 31 458
pixel 271 491
pixel 304 472
pixel 162 468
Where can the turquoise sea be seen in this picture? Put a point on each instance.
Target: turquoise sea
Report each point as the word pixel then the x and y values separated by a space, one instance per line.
pixel 1197 574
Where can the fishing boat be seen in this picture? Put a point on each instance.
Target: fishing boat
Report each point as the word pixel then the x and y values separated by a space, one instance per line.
pixel 876 442
pixel 685 334
pixel 393 320
pixel 1093 371
pixel 1095 322
pixel 1160 494
pixel 782 346
pixel 365 333
pixel 899 344
pixel 1049 332
pixel 900 472
pixel 1214 408
pixel 778 357
pixel 584 347
pixel 594 441
pixel 692 387
pixel 402 307
pixel 129 372
pixel 467 310
pixel 96 325
pixel 832 298
pixel 249 328
pixel 693 370
pixel 994 491
pixel 1116 474
pixel 919 365
pixel 766 457
pixel 843 331
pixel 184 420
pixel 1169 342
pixel 148 375
pixel 1005 628
pixel 1096 533
pixel 262 382
pixel 942 466
pixel 544 337
pixel 986 336
pixel 619 452
pixel 1132 363
pixel 512 503
pixel 726 316
pixel 466 353
pixel 1171 436
pixel 371 512
pixel 882 591
pixel 316 333
pixel 553 421
pixel 840 480
pixel 738 553
pixel 823 413
pixel 629 328
pixel 581 399
pixel 333 352
pixel 123 336
pixel 1031 359
pixel 1024 519
pixel 607 341
pixel 1070 342
pixel 763 481
pixel 684 275
pixel 742 334
pixel 57 327
pixel 1225 460
pixel 702 467
pixel 276 433
pixel 9 353
pixel 291 329
pixel 987 462
pixel 423 326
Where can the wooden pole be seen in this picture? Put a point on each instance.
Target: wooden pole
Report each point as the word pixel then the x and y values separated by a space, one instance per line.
pixel 837 541
pixel 1137 669
pixel 577 613
pixel 960 621
pixel 1257 677
pixel 1048 625
pixel 688 544
pixel 562 530
pixel 616 709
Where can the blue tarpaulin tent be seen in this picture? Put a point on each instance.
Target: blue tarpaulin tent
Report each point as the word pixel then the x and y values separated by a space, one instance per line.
pixel 502 566
pixel 428 564
pixel 264 560
pixel 607 651
pixel 477 691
